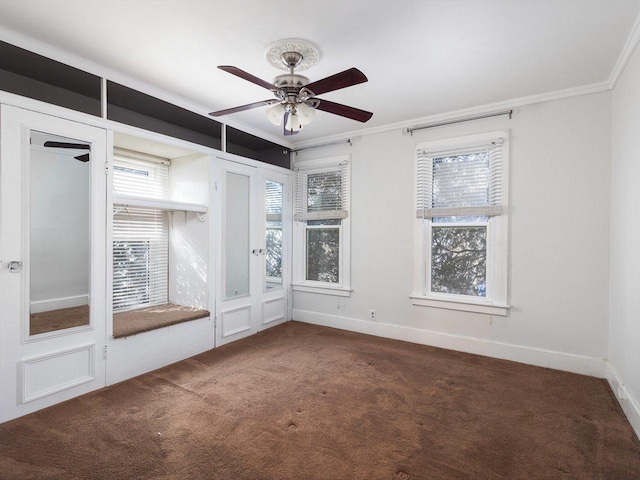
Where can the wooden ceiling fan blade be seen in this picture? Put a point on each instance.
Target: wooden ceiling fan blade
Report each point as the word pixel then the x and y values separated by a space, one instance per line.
pixel 344 110
pixel 76 146
pixel 241 108
pixel 350 77
pixel 246 76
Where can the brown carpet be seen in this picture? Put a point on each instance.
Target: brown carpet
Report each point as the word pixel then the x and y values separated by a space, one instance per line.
pixel 150 318
pixel 301 402
pixel 58 319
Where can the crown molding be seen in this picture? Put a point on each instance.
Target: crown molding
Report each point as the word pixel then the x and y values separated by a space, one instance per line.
pixel 627 51
pixel 458 114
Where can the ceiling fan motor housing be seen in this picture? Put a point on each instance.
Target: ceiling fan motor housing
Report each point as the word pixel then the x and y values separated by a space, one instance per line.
pixel 291 90
pixel 290 81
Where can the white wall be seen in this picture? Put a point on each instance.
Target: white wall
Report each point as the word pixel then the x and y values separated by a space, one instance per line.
pixel 624 317
pixel 189 235
pixel 188 260
pixel 559 240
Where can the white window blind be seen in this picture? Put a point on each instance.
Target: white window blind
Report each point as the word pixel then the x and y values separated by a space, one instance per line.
pixel 273 201
pixel 141 178
pixel 140 258
pixel 322 195
pixel 460 182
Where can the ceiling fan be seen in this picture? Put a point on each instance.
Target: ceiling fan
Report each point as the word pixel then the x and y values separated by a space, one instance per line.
pixel 75 146
pixel 295 101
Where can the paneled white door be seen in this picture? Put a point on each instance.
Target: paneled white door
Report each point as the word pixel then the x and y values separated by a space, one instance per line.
pixel 52 250
pixel 254 260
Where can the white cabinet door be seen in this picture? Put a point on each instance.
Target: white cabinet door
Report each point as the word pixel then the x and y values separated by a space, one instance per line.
pixel 254 236
pixel 52 250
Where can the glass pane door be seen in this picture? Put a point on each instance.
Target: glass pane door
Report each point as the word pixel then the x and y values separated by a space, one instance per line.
pixel 273 235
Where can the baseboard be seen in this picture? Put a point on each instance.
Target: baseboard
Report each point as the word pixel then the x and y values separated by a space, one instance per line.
pixel 595 367
pixel 59 303
pixel 630 405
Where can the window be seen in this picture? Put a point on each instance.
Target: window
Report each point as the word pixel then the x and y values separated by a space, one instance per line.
pixel 141 178
pixel 140 258
pixel 461 224
pixel 140 236
pixel 322 227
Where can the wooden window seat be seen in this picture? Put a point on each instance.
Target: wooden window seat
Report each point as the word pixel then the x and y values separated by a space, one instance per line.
pixel 133 322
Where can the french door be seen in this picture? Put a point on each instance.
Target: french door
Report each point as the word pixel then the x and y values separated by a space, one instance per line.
pixel 52 250
pixel 254 258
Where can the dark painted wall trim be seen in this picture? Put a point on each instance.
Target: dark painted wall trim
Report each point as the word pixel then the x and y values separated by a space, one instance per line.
pixel 33 76
pixel 250 146
pixel 128 106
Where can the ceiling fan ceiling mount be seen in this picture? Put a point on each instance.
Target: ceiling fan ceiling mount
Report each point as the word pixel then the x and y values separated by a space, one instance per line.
pixel 291 59
pixel 283 53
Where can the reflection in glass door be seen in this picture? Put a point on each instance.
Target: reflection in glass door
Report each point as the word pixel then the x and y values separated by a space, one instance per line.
pixel 59 233
pixel 273 235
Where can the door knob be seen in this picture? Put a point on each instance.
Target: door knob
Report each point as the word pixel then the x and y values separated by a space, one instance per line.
pixel 15 266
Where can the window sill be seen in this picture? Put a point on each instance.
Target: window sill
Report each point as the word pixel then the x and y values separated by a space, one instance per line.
pixel 323 290
pixel 133 322
pixel 466 306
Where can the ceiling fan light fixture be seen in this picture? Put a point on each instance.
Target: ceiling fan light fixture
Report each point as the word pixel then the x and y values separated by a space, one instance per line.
pixel 306 113
pixel 293 123
pixel 275 114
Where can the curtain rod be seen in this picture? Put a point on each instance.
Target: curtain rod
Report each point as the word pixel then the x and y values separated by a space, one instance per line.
pixel 459 120
pixel 339 142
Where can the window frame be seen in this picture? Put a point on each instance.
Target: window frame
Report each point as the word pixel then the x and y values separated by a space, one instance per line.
pixel 495 301
pixel 300 228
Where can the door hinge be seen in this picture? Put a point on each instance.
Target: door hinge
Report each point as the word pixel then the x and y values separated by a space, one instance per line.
pixel 215 184
pixel 215 322
pixel 104 351
pixel 106 168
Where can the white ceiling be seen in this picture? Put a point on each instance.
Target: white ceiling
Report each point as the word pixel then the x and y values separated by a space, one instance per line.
pixel 422 58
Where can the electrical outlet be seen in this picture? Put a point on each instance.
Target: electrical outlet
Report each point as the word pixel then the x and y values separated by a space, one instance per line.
pixel 620 392
pixel 372 314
